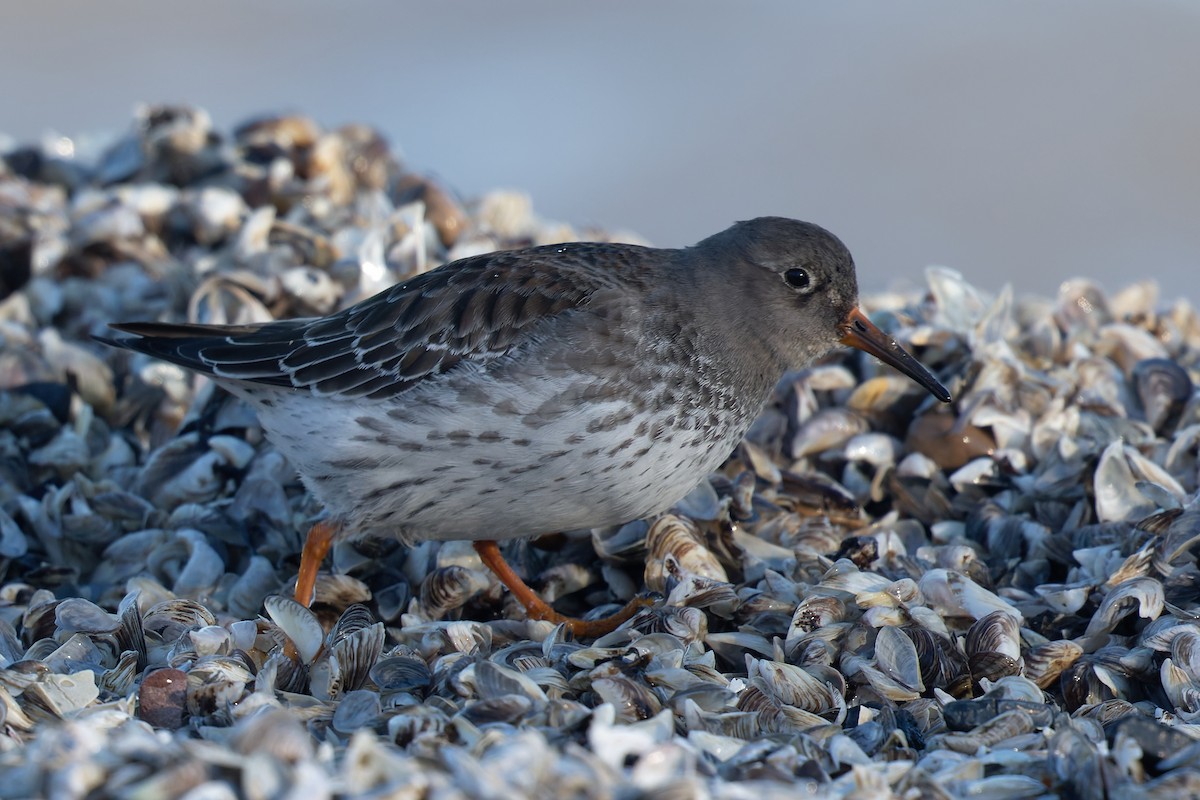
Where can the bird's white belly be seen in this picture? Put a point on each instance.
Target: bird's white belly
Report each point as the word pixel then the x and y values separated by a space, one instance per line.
pixel 461 470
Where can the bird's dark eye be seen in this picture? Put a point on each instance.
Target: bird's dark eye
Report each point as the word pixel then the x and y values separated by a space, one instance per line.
pixel 797 278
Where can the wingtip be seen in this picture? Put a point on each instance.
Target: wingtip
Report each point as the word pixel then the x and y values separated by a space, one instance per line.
pixel 169 342
pixel 118 341
pixel 143 328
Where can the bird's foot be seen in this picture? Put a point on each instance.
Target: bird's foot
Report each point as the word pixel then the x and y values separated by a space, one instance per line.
pixel 537 608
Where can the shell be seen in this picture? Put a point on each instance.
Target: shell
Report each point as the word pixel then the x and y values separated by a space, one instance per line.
pixel 1044 663
pixel 681 540
pixel 450 588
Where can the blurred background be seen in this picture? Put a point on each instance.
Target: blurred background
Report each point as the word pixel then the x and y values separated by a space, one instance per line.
pixel 1023 141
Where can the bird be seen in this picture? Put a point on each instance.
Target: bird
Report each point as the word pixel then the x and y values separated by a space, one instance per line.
pixel 529 391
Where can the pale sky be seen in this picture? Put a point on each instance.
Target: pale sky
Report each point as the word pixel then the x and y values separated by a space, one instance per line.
pixel 1025 141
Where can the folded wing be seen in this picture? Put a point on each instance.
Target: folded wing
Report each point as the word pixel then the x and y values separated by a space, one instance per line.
pixel 474 310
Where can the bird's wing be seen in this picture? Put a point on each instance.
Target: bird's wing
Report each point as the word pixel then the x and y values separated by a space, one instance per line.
pixel 472 310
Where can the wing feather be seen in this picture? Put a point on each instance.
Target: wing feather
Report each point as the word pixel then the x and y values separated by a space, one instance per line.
pixel 471 310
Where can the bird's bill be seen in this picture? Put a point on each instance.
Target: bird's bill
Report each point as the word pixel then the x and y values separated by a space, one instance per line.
pixel 860 332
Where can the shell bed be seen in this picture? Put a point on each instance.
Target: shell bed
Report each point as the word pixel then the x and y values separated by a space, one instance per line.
pixel 875 597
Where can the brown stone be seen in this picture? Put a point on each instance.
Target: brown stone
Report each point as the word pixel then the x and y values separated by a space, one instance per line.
pixel 162 698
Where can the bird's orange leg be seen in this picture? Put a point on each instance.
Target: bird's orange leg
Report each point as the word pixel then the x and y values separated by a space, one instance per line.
pixel 537 608
pixel 316 546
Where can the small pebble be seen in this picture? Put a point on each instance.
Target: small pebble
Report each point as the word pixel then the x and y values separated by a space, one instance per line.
pixel 162 698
